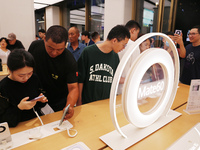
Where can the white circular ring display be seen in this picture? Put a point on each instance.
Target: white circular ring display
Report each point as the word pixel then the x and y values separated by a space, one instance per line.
pixel 121 67
pixel 132 83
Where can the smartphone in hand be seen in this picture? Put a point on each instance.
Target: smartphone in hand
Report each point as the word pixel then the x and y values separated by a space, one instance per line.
pixel 37 98
pixel 178 32
pixel 64 113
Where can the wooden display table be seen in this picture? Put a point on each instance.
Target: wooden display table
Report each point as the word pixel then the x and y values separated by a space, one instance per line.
pixel 93 120
pixel 4 72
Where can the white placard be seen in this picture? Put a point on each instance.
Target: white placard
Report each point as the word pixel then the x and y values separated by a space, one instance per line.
pixel 193 104
pixel 77 146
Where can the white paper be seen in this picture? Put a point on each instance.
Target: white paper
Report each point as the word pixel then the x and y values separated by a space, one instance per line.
pixel 77 146
pixel 46 110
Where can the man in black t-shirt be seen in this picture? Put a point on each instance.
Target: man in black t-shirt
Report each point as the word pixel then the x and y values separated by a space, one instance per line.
pixel 191 53
pixel 57 69
pixel 14 43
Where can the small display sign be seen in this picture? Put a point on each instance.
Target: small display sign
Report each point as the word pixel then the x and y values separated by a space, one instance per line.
pixel 193 104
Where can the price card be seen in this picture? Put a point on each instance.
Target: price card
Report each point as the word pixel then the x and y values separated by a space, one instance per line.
pixel 193 104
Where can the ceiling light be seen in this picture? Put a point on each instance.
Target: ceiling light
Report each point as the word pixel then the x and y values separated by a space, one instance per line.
pixel 47 2
pixel 157 3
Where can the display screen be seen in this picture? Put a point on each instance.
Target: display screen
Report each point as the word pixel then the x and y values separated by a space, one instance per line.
pixel 147 17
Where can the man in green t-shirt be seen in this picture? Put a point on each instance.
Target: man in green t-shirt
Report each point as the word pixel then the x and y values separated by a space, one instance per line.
pixel 97 65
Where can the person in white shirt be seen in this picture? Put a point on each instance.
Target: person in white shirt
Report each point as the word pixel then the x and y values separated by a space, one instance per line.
pixel 4 52
pixel 134 29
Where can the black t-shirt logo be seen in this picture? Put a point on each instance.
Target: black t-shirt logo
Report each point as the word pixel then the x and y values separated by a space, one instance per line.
pixel 54 76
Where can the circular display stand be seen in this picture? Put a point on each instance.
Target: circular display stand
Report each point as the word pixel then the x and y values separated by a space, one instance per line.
pixel 157 116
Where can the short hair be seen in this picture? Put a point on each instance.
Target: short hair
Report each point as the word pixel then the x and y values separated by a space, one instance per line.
pixel 86 33
pixel 132 24
pixel 4 38
pixel 95 35
pixel 198 27
pixel 20 58
pixel 58 34
pixel 119 32
pixel 169 33
pixel 76 28
pixel 141 34
pixel 42 30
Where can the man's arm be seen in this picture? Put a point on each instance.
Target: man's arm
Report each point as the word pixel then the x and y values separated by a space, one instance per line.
pixel 80 88
pixel 179 40
pixel 71 99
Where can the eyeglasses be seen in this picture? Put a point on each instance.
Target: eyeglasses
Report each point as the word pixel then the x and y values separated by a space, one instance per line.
pixel 123 44
pixel 192 34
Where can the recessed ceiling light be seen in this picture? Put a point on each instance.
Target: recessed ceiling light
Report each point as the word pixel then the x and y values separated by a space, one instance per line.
pixel 156 3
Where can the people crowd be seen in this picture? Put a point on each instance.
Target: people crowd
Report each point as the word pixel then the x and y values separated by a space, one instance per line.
pixel 64 70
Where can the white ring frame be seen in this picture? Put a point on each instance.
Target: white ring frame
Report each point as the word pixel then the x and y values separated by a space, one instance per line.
pixel 121 67
pixel 129 96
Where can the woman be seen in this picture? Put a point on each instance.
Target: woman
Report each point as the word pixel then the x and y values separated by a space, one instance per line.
pixel 4 52
pixel 155 72
pixel 145 44
pixel 17 89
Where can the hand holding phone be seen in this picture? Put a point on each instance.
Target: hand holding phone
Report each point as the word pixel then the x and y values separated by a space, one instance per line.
pixel 64 113
pixel 37 98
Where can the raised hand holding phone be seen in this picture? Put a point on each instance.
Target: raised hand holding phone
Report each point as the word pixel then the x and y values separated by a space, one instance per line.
pixel 178 37
pixel 179 32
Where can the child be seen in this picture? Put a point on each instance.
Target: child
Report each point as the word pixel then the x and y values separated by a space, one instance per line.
pixel 145 44
pixel 18 88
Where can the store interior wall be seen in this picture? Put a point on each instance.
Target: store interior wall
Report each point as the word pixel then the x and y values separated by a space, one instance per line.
pixel 18 17
pixel 116 13
pixel 52 16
